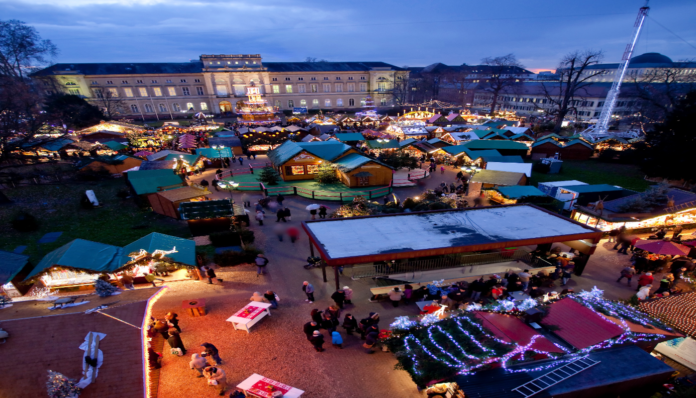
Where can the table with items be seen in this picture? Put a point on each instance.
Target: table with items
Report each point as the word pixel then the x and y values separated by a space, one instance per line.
pixel 249 315
pixel 262 387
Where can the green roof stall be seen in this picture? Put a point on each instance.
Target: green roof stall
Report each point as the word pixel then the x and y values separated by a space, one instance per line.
pixel 14 268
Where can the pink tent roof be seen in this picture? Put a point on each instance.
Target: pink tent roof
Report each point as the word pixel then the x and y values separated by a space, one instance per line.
pixel 663 247
pixel 434 118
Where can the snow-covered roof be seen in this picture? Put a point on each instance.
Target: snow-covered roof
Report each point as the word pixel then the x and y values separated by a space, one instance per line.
pixel 525 168
pixel 408 232
pixel 562 183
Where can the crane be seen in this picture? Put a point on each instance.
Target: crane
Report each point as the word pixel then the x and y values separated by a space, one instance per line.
pixel 599 130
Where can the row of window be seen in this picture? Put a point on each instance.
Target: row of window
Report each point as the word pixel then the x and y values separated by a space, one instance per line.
pixel 327 103
pixel 287 79
pixel 326 88
pixel 96 83
pixel 163 107
pixel 143 91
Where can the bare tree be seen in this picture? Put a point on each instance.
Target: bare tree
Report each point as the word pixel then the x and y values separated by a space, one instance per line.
pixel 21 47
pixel 314 59
pixel 660 90
pixel 504 73
pixel 109 102
pixel 574 78
pixel 458 83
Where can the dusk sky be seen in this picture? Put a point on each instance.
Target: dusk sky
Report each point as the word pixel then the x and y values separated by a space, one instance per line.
pixel 403 32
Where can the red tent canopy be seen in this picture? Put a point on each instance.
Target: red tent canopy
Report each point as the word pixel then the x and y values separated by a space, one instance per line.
pixel 663 247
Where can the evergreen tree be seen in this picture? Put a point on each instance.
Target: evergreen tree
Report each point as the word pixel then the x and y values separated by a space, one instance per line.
pixel 326 174
pixel 59 386
pixel 104 288
pixel 269 176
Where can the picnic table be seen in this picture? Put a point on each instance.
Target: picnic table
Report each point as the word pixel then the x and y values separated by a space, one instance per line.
pixel 249 315
pixel 62 302
pixel 262 387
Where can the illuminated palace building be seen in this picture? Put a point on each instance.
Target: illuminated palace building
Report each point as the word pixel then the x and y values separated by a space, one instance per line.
pixel 215 84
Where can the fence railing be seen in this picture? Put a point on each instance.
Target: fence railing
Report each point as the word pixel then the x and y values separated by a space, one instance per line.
pixel 444 262
pixel 341 196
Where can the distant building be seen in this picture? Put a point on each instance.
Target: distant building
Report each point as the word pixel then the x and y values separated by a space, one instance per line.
pixel 642 65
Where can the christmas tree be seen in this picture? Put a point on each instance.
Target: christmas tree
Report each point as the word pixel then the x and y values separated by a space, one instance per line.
pixel 59 386
pixel 269 176
pixel 104 288
pixel 326 174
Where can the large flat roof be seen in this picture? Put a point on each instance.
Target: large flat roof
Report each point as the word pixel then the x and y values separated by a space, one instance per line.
pixel 406 235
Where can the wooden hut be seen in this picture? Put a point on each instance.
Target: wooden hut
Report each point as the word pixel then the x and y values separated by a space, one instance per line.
pixel 166 202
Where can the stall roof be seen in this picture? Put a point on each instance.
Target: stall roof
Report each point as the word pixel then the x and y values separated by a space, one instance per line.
pixel 519 191
pixel 163 154
pixel 390 144
pixel 212 153
pixel 353 160
pixel 148 181
pixel 228 141
pixel 497 177
pixel 495 144
pixel 183 193
pixel 343 137
pixel 10 265
pixel 158 165
pixel 82 254
pixel 504 159
pixel 547 141
pixel 115 146
pixel 578 325
pixel 206 209
pixel 188 158
pixel 562 183
pixel 511 329
pixel 591 188
pixel 185 248
pixel 456 150
pixel 385 237
pixel 326 150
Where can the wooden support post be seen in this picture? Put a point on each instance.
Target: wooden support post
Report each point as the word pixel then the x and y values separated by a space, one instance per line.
pixel 323 270
pixel 311 248
pixel 338 286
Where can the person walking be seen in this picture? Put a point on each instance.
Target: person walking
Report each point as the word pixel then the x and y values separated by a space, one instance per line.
pixel 259 217
pixel 309 328
pixel 127 282
pixel 162 328
pixel 328 322
pixel 212 352
pixel 370 340
pixel 336 339
pixel 294 234
pixel 348 292
pixel 216 377
pixel 627 273
pixel 211 274
pixel 566 276
pixel 339 297
pixel 280 198
pixel 151 279
pixel 350 323
pixel 317 316
pixel 261 262
pixel 272 298
pixel 334 311
pixel 645 279
pixel 524 278
pixel 245 200
pixel 174 341
pixel 477 287
pixel 322 212
pixel 241 161
pixel 280 215
pixel 625 244
pixel 442 169
pixel 317 341
pixel 309 291
pixel 313 213
pixel 395 296
pixel 198 363
pixel 173 320
pixel 288 214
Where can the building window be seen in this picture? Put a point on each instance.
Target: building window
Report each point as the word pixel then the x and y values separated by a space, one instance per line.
pixel 275 79
pixel 312 168
pixel 158 91
pixel 300 78
pixel 291 104
pixel 326 78
pixel 93 82
pixel 199 90
pixel 176 107
pixel 196 80
pixel 362 102
pixel 339 87
pixel 221 90
pixel 277 103
pixel 98 93
pixel 363 87
pixel 303 103
pixel 313 78
pixel 350 77
pixel 288 88
pixel 313 88
pixel 153 81
pixel 142 91
pixel 183 81
pixel 301 88
pixel 338 77
pixel 128 91
pixel 67 83
pixel 185 91
pixel 109 82
pixel 139 82
pixel 351 87
pixel 327 103
pixel 74 91
pixel 362 77
pixel 163 107
pixel 134 108
pixel 124 81
pixel 113 92
pixel 189 106
pixel 287 79
pixel 148 108
pixel 315 103
pixel 381 86
pixel 383 102
pixel 327 88
pixel 297 170
pixel 171 91
pixel 339 102
pixel 204 106
pixel 351 102
pixel 169 81
pixel 276 89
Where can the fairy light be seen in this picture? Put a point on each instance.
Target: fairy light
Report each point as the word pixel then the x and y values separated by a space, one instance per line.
pixel 145 340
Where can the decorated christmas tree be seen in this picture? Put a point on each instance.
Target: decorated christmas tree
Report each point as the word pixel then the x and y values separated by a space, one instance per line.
pixel 269 176
pixel 326 174
pixel 59 386
pixel 104 288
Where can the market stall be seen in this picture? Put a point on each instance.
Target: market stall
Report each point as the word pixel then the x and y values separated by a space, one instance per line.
pixel 249 316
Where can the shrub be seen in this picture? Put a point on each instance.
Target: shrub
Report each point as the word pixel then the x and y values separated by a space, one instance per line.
pixel 247 236
pixel 232 258
pixel 409 203
pixel 25 222
pixel 225 238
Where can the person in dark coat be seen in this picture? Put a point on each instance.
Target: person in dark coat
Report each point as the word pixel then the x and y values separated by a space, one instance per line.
pixel 477 287
pixel 309 329
pixel 280 215
pixel 280 198
pixel 334 311
pixel 317 316
pixel 339 297
pixel 211 274
pixel 175 341
pixel 350 323
pixel 329 323
pixel 317 341
pixel 173 320
pixel 322 212
pixel 371 340
pixel 536 292
pixel 212 352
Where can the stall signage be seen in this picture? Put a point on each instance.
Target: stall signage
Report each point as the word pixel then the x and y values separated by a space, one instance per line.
pixel 299 111
pixel 302 157
pixel 370 167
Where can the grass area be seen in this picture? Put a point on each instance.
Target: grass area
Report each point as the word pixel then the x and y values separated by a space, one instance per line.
pixel 57 208
pixel 305 188
pixel 592 171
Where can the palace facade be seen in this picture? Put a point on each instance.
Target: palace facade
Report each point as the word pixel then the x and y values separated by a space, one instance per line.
pixel 215 83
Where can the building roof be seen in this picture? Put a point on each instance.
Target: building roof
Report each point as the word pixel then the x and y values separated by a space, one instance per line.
pixel 148 181
pixel 163 154
pixel 326 150
pixel 591 188
pixel 212 153
pixel 511 329
pixel 547 141
pixel 344 137
pixel 417 234
pixel 504 159
pixel 10 265
pixel 328 66
pixel 183 193
pixel 227 141
pixel 519 191
pixel 456 150
pixel 206 209
pixel 578 142
pixel 678 311
pixel 578 325
pixel 115 146
pixel 497 177
pixel 495 144
pixel 390 144
pixel 55 145
pixel 84 255
pixel 158 165
pixel 353 160
pixel 185 248
pixel 682 199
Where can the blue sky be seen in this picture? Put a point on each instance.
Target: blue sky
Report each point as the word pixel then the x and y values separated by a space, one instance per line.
pixel 401 32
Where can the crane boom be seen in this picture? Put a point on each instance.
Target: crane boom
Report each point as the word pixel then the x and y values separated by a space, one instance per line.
pixel 599 130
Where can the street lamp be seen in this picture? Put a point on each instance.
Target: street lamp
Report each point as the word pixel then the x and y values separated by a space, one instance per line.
pixel 219 149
